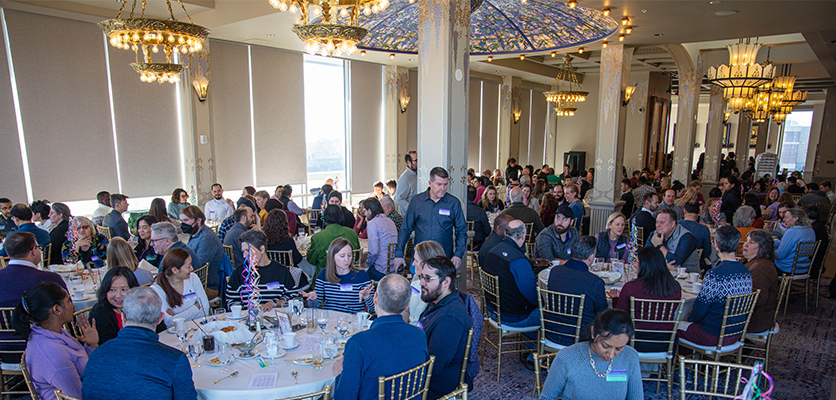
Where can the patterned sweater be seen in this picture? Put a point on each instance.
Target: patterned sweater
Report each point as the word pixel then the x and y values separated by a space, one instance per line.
pixel 728 278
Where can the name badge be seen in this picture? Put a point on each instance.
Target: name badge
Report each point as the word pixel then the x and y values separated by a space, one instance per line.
pixel 274 286
pixel 444 211
pixel 617 376
pixel 568 251
pixel 190 296
pixel 415 290
pixel 346 287
pixel 621 246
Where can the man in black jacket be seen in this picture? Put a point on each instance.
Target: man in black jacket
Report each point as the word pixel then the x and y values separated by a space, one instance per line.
pixel 643 217
pixel 732 198
pixel 476 214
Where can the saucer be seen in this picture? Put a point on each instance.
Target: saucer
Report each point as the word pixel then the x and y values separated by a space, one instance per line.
pixel 295 345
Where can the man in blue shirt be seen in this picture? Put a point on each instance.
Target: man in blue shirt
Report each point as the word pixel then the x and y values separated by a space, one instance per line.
pixel 21 214
pixel 390 346
pixel 114 220
pixel 676 243
pixel 433 215
pixel 508 261
pixel 700 232
pixel 135 365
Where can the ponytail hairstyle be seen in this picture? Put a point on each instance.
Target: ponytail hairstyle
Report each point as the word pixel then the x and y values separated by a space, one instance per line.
pixel 174 258
pixel 35 306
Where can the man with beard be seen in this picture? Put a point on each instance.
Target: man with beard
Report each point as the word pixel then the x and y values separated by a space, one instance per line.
pixel 643 217
pixel 243 217
pixel 204 241
pixel 555 242
pixel 446 323
pixel 558 194
pixel 218 208
pixel 627 197
pixel 407 183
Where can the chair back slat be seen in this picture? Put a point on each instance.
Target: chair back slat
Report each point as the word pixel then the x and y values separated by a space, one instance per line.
pixel 46 254
pixel 541 361
pixel 230 253
pixel 61 396
pixel 640 236
pixel 490 294
pixel 284 257
pixel 4 261
pixel 645 311
pixel 28 378
pixel 783 290
pixel 104 231
pixel 357 255
pixel 466 358
pixel 529 232
pixel 804 253
pixel 203 274
pixel 7 329
pixel 410 384
pixel 324 394
pixel 712 378
pixel 390 257
pixel 554 306
pixel 458 394
pixel 738 308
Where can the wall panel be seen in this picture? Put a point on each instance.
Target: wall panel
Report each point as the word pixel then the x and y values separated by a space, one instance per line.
pixel 12 180
pixel 490 124
pixel 367 126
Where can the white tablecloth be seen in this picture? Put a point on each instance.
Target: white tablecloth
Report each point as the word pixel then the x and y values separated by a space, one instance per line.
pixel 86 285
pixel 310 379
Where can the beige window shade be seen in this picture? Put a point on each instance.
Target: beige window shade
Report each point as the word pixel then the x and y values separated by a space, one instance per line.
pixel 490 124
pixel 229 97
pixel 62 84
pixel 147 135
pixel 279 115
pixel 473 127
pixel 12 180
pixel 525 124
pixel 538 129
pixel 366 126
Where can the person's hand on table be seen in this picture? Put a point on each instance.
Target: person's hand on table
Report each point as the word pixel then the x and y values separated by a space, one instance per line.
pixel 671 267
pixel 82 244
pixel 365 293
pixel 270 305
pixel 613 293
pixel 309 295
pixel 89 334
pixel 657 239
pixel 337 366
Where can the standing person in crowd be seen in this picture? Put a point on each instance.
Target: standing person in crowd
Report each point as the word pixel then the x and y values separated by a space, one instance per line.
pixel 668 199
pixel 512 168
pixel 106 314
pixel 728 278
pixel 343 285
pixel 103 208
pixel 548 208
pixel 627 197
pixel 570 192
pixel 144 250
pixel 21 214
pixel 611 244
pixel 490 201
pixel 346 217
pixel 500 223
pixel 508 262
pixel 379 350
pixel 218 208
pixel 279 237
pixel 732 197
pixel 798 230
pixel 676 243
pixel 276 284
pixel 120 254
pixel 179 201
pixel 582 370
pixel 135 365
pixel 477 215
pixel 163 238
pixel 59 215
pixel 654 282
pixel 446 323
pixel 321 241
pixel 573 277
pixel 759 252
pixel 407 183
pixel 244 217
pixel 181 290
pixel 205 243
pixel 114 220
pixel 90 248
pixel 289 204
pixel 701 233
pixel 643 217
pixel 55 359
pixel 20 275
pixel 381 233
pixel 555 241
pixel 40 214
pixel 520 211
pixel 432 216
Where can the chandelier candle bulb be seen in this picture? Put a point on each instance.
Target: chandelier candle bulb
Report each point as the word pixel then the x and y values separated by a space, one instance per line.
pixel 606 11
pixel 628 30
pixel 621 38
pixel 604 44
pixel 625 21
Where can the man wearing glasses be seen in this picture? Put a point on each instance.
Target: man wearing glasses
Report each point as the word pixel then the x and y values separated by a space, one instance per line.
pixel 163 238
pixel 446 323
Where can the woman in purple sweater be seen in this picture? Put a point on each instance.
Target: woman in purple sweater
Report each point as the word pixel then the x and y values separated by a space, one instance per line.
pixel 55 359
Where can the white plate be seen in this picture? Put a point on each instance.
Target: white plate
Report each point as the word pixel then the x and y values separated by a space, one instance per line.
pixel 305 363
pixel 211 363
pixel 295 345
pixel 281 354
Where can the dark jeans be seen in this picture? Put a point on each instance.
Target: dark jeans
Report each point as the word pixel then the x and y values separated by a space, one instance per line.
pixel 375 274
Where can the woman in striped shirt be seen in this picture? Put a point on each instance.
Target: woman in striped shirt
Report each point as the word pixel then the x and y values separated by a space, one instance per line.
pixel 342 286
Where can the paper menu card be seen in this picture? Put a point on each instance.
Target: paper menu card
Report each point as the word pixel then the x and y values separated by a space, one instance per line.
pixel 263 381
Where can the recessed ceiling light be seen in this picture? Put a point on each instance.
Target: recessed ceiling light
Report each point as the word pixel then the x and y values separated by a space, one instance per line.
pixel 644 11
pixel 606 11
pixel 714 2
pixel 490 58
pixel 270 35
pixel 411 59
pixel 392 55
pixel 658 34
pixel 725 13
pixel 497 70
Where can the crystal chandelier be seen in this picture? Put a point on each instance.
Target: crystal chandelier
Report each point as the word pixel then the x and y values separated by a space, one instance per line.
pixel 337 32
pixel 149 35
pixel 566 90
pixel 740 78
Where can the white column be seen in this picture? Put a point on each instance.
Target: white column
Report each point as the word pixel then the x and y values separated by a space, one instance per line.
pixel 690 71
pixel 509 131
pixel 713 141
pixel 397 81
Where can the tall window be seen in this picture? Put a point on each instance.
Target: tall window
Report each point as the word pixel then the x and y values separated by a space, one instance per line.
pixel 796 138
pixel 325 123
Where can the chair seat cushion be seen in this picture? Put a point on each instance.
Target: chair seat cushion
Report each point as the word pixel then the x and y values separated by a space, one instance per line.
pixel 9 367
pixel 552 345
pixel 711 349
pixel 508 328
pixel 655 356
pixel 775 329
pixel 799 277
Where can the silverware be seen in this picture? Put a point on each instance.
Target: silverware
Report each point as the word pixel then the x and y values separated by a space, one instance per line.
pixel 232 375
pixel 294 377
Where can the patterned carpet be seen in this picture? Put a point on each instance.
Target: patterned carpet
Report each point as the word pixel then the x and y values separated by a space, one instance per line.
pixel 802 359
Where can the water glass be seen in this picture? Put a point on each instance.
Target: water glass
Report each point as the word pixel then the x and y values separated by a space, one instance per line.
pixel 194 349
pixel 225 357
pixel 271 345
pixel 310 320
pixel 322 319
pixel 218 314
pixel 342 326
pixel 330 347
pixel 317 357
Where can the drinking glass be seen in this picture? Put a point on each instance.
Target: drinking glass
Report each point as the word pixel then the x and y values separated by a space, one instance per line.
pixel 310 320
pixel 342 326
pixel 225 357
pixel 194 350
pixel 271 345
pixel 181 334
pixel 218 314
pixel 316 356
pixel 322 319
pixel 330 347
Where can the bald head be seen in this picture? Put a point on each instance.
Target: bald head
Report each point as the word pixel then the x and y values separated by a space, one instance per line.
pixel 515 194
pixel 516 231
pixel 500 223
pixel 393 294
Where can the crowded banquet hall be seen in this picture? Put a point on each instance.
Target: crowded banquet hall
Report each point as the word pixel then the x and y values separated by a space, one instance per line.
pixel 417 199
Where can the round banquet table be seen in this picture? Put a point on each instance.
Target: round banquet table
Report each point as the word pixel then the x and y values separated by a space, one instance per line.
pixel 87 285
pixel 687 290
pixel 236 388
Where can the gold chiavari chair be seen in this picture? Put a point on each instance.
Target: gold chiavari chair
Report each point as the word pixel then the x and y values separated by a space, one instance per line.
pixel 410 384
pixel 821 267
pixel 796 197
pixel 804 250
pixel 203 274
pixel 645 311
pixel 324 394
pixel 4 261
pixel 61 396
pixel 390 257
pixel 762 341
pixel 28 378
pixel 72 327
pixel 529 250
pixel 640 236
pixel 739 309
pixel 357 255
pixel 711 378
pixel 104 231
pixel 824 210
pixel 491 300
pixel 313 216
pixel 230 253
pixel 554 307
pixel 465 359
pixel 458 394
pixel 46 255
pixel 10 373
pixel 283 257
pixel 541 361
pixel 529 232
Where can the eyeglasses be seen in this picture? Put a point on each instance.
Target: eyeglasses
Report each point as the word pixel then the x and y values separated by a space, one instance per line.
pixel 427 278
pixel 155 240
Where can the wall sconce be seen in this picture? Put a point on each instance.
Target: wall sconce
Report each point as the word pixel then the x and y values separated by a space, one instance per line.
pixel 513 97
pixel 628 93
pixel 404 100
pixel 201 87
pixel 726 117
pixel 403 91
pixel 200 83
pixel 517 116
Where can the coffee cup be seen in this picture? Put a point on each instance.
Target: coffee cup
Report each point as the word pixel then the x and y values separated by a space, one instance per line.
pixel 236 311
pixel 694 276
pixel 78 294
pixel 362 319
pixel 681 270
pixel 179 324
pixel 289 340
pixel 697 287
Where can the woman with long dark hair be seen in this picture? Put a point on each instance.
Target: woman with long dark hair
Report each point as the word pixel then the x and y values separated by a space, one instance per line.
pixel 585 369
pixel 653 283
pixel 278 235
pixel 342 286
pixel 751 200
pixel 55 359
pixel 381 232
pixel 143 249
pixel 107 313
pixel 180 289
pixel 548 207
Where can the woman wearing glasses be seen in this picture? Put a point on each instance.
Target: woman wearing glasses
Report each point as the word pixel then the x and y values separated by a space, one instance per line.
pixel 343 285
